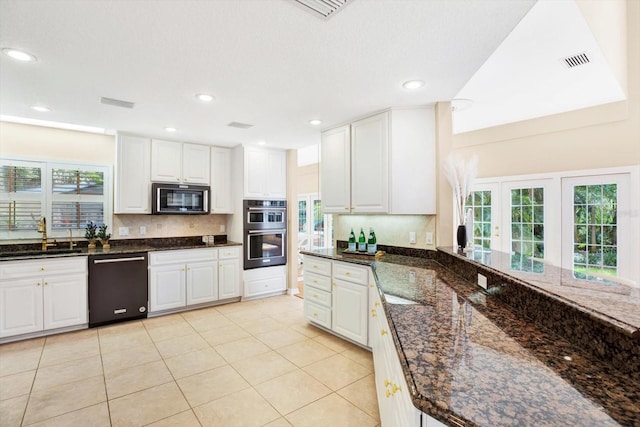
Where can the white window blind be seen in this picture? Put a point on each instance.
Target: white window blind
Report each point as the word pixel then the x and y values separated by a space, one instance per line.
pixel 77 197
pixel 21 195
pixel 69 195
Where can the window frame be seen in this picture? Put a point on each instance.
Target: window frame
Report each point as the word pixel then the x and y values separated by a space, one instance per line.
pixel 47 196
pixel 555 254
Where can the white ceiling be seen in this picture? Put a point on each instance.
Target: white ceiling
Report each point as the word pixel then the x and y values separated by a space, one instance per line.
pixel 525 77
pixel 268 62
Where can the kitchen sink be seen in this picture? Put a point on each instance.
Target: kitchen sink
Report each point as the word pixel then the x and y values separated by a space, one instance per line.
pixel 39 252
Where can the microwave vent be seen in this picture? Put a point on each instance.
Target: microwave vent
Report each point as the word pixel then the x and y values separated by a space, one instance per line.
pixel 576 60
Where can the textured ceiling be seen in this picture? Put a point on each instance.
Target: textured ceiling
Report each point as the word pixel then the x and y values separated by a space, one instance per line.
pixel 268 62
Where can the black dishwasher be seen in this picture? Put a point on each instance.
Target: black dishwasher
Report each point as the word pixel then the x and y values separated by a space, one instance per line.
pixel 117 287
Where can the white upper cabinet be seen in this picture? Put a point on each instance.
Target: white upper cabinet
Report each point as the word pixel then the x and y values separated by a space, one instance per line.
pixel 335 178
pixel 221 181
pixel 384 163
pixel 369 171
pixel 133 172
pixel 265 173
pixel 179 162
pixel 196 168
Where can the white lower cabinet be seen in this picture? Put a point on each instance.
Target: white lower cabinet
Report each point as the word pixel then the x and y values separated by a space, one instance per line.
pixel 394 398
pixel 37 295
pixel 261 282
pixel 229 272
pixel 181 278
pixel 336 295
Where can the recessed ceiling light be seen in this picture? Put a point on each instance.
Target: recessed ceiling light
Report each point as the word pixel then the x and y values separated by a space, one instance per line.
pixel 262 142
pixel 170 129
pixel 315 122
pixel 413 84
pixel 460 104
pixel 205 97
pixel 19 55
pixel 40 108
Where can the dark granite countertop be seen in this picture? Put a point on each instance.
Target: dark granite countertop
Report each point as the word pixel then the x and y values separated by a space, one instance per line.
pixel 471 360
pixel 117 247
pixel 615 302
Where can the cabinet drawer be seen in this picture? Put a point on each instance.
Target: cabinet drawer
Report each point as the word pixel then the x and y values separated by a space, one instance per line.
pixel 263 286
pixel 317 313
pixel 182 256
pixel 351 273
pixel 228 253
pixel 317 296
pixel 317 265
pixel 30 268
pixel 317 281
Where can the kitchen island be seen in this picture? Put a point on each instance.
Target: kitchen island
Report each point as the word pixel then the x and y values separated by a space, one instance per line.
pixel 470 359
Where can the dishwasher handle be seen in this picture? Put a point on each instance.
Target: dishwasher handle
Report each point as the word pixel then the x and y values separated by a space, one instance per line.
pixel 105 261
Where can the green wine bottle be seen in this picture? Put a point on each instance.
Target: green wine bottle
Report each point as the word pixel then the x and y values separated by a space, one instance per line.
pixel 362 242
pixel 372 244
pixel 352 241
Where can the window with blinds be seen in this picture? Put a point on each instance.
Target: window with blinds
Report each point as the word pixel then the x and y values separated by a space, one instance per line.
pixel 76 197
pixel 21 195
pixel 68 195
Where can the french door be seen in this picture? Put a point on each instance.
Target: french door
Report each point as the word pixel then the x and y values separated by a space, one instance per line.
pixel 314 227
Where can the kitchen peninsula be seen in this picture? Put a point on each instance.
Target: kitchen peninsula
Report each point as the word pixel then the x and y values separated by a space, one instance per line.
pixel 470 359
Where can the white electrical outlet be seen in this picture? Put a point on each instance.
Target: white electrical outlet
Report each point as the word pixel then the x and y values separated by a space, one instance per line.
pixel 223 228
pixel 429 238
pixel 123 231
pixel 143 230
pixel 412 237
pixel 412 276
pixel 482 281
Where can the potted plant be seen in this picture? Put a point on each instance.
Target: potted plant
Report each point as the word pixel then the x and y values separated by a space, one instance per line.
pixel 104 236
pixel 90 234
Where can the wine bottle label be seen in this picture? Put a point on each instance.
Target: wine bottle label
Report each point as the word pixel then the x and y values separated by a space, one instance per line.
pixel 352 247
pixel 362 247
pixel 372 248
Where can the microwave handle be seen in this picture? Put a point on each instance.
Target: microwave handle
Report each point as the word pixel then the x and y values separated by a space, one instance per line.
pixel 269 231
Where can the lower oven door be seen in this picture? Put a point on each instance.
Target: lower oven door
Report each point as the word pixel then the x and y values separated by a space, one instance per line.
pixel 265 248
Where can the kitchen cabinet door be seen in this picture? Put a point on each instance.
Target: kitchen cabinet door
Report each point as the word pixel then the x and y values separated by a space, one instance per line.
pixel 229 278
pixel 265 173
pixel 349 310
pixel 221 181
pixel 167 287
pixel 335 170
pixel 369 164
pixel 65 300
pixel 196 166
pixel 20 306
pixel 133 175
pixel 202 282
pixel 166 161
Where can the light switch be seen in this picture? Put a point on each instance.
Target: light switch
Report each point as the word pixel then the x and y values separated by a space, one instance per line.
pixel 143 230
pixel 412 237
pixel 429 238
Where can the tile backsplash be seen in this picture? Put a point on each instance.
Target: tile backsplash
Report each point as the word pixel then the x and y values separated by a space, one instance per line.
pixel 168 225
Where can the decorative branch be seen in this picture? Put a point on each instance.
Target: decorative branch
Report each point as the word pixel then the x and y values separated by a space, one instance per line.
pixel 461 176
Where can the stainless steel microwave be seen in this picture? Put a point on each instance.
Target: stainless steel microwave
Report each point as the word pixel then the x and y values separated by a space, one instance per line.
pixel 179 199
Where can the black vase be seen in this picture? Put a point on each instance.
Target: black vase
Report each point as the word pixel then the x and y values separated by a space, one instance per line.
pixel 462 236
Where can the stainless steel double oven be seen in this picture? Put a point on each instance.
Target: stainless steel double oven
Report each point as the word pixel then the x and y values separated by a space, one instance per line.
pixel 265 233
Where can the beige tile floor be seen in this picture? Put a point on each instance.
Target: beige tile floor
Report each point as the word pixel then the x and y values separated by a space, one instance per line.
pixel 256 363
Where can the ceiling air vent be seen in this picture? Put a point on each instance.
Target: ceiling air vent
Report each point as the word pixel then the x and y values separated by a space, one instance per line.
pixel 322 8
pixel 240 125
pixel 575 60
pixel 116 102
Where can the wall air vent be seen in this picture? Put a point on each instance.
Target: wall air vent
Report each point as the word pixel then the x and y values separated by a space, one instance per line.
pixel 116 102
pixel 575 60
pixel 239 125
pixel 322 8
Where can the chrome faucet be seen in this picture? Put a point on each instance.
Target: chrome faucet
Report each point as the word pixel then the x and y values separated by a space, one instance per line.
pixel 42 228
